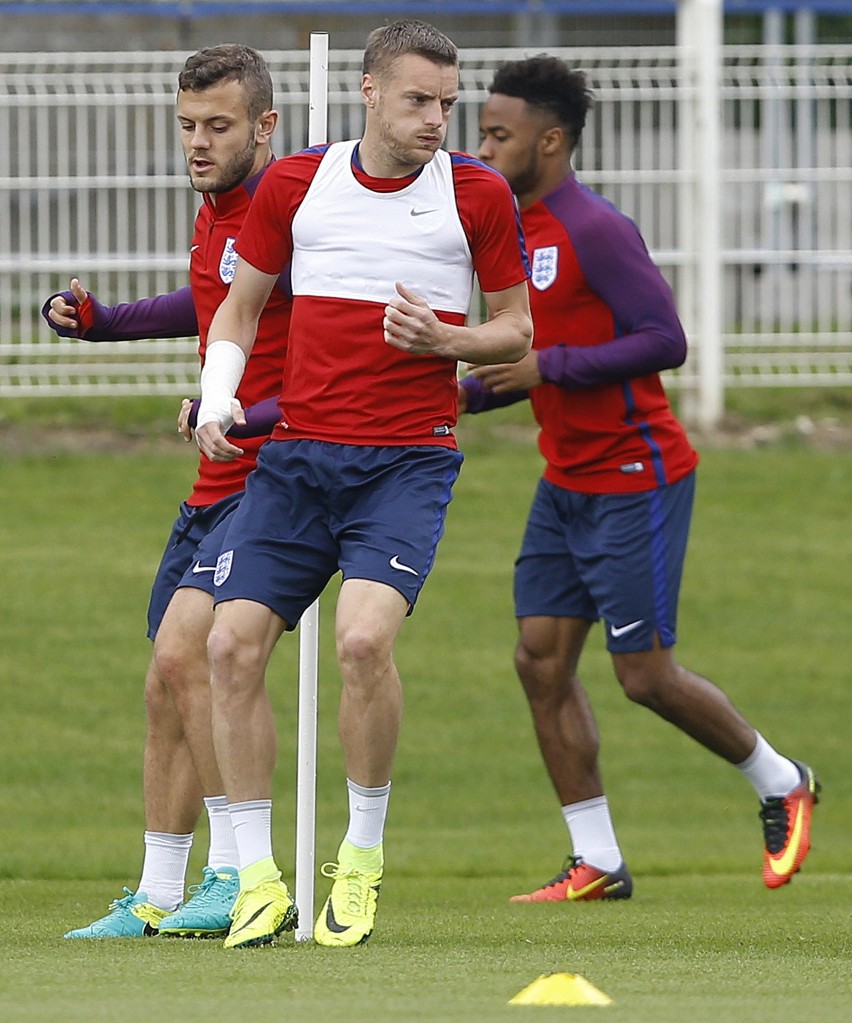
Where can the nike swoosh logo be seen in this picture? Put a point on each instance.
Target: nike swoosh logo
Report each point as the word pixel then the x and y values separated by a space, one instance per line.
pixel 578 893
pixel 420 213
pixel 198 567
pixel 194 247
pixel 397 564
pixel 784 864
pixel 252 918
pixel 619 630
pixel 331 923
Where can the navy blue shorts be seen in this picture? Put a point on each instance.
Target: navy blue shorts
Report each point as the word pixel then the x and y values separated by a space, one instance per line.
pixel 613 556
pixel 190 555
pixel 313 508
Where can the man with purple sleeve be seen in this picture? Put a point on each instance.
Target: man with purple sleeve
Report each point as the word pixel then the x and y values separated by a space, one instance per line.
pixel 224 110
pixel 607 532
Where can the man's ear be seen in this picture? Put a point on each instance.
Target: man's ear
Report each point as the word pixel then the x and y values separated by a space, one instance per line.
pixel 553 139
pixel 265 126
pixel 369 89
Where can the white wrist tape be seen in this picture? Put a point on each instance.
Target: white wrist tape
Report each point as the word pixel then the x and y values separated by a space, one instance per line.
pixel 224 363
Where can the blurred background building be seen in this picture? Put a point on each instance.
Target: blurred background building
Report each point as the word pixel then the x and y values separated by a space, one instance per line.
pixel 57 25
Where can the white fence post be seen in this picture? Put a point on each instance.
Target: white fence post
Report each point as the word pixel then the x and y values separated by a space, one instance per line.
pixel 700 36
pixel 686 204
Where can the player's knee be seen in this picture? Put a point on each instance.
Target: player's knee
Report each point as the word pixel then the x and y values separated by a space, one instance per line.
pixel 650 678
pixel 639 684
pixel 181 665
pixel 361 646
pixel 540 676
pixel 157 698
pixel 233 658
pixel 170 663
pixel 526 665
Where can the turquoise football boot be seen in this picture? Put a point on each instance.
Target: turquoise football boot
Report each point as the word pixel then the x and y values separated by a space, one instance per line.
pixel 207 913
pixel 131 917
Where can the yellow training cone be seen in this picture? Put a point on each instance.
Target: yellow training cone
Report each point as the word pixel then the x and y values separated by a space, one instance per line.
pixel 560 989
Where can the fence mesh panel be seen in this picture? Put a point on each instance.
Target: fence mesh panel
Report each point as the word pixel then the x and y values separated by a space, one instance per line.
pixel 93 184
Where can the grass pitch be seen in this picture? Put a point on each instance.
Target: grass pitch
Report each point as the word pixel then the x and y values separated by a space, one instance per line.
pixel 764 613
pixel 451 949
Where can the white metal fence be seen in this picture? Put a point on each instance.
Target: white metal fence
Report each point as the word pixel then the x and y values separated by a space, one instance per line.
pixel 93 184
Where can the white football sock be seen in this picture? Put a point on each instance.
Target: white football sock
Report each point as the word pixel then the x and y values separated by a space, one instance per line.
pixel 368 810
pixel 223 843
pixel 592 834
pixel 770 774
pixel 164 868
pixel 252 824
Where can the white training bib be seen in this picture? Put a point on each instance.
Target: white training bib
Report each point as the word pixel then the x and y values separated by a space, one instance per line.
pixel 350 242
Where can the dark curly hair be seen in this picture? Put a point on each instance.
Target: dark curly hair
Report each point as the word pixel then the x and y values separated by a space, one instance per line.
pixel 547 83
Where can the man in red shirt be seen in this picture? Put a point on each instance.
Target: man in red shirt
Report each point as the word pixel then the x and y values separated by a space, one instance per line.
pixel 607 531
pixel 224 110
pixel 385 235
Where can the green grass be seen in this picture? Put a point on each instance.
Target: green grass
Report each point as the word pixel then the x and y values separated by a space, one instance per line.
pixel 764 613
pixel 148 417
pixel 778 403
pixel 154 417
pixel 452 950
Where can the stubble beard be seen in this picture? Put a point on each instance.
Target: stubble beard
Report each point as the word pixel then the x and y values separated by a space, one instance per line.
pixel 407 153
pixel 235 171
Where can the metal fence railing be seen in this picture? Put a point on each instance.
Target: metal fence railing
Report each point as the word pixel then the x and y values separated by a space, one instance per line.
pixel 92 184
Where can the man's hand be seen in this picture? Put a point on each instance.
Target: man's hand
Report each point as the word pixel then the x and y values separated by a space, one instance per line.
pixel 189 411
pixel 65 314
pixel 510 376
pixel 411 326
pixel 183 424
pixel 213 443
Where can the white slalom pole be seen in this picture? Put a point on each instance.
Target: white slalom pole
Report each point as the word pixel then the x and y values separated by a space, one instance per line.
pixel 306 772
pixel 306 767
pixel 318 89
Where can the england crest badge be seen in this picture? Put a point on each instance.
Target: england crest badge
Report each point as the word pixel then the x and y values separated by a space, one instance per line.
pixel 545 264
pixel 228 262
pixel 223 567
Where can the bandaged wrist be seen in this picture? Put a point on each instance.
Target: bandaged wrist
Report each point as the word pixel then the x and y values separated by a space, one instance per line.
pixel 224 363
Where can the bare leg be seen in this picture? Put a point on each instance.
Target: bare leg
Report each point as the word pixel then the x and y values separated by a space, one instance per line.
pixel 369 615
pixel 546 660
pixel 239 646
pixel 687 700
pixel 172 792
pixel 241 641
pixel 180 654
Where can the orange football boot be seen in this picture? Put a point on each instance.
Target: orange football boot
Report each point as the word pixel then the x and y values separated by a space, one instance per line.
pixel 787 828
pixel 581 882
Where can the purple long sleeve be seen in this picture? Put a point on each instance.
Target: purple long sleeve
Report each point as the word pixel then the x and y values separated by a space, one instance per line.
pixel 163 316
pixel 260 419
pixel 617 267
pixel 621 359
pixel 480 399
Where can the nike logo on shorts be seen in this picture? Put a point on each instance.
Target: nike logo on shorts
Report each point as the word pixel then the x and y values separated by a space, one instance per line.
pixel 620 630
pixel 398 565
